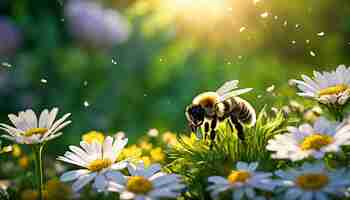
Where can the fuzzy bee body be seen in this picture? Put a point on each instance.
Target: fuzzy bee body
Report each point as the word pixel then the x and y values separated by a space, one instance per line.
pixel 210 108
pixel 237 107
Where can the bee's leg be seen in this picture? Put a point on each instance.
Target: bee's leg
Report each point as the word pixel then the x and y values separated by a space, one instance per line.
pixel 213 126
pixel 238 126
pixel 193 127
pixel 206 130
pixel 230 125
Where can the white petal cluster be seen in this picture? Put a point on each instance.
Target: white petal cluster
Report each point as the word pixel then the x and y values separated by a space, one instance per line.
pixel 310 141
pixel 312 181
pixel 147 184
pixel 242 187
pixel 330 88
pixel 98 163
pixel 30 129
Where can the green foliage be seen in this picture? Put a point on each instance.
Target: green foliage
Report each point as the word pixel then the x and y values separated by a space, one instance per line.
pixel 195 160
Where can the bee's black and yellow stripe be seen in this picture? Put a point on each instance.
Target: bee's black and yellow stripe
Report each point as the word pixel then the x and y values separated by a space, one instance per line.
pixel 238 107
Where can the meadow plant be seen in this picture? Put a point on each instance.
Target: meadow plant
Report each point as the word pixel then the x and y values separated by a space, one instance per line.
pixel 291 152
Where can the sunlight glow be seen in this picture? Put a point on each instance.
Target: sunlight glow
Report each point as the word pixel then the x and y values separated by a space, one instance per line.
pixel 199 12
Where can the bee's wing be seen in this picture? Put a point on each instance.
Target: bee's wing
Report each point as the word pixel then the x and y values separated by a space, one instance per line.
pixel 227 87
pixel 234 93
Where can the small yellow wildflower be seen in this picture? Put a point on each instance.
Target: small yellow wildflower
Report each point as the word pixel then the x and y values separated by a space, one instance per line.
pixel 157 155
pixel 23 162
pixel 132 152
pixel 145 146
pixel 16 151
pixel 32 195
pixel 58 190
pixel 169 138
pixel 93 136
pixel 146 160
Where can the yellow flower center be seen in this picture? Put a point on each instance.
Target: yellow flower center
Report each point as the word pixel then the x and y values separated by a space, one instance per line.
pixel 312 181
pixel 93 136
pixel 333 90
pixel 139 185
pixel 238 176
pixel 316 141
pixel 99 164
pixel 35 131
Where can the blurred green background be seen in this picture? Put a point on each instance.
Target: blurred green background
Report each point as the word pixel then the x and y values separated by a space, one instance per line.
pixel 132 65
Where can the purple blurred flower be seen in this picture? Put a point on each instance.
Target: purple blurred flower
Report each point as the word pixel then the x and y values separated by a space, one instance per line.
pixel 10 37
pixel 94 25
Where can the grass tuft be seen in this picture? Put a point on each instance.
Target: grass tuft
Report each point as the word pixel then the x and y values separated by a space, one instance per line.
pixel 196 161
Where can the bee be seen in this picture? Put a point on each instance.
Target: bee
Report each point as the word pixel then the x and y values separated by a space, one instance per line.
pixel 208 109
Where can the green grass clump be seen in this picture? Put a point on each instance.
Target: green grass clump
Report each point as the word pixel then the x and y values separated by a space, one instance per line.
pixel 195 160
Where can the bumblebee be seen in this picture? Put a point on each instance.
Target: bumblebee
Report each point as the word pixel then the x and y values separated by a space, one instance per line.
pixel 208 109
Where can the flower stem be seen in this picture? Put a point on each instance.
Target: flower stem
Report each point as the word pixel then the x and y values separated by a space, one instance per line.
pixel 39 169
pixel 336 112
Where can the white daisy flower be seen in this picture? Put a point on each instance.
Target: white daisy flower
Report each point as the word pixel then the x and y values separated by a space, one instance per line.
pixel 147 184
pixel 28 129
pixel 330 88
pixel 98 161
pixel 243 181
pixel 310 141
pixel 312 181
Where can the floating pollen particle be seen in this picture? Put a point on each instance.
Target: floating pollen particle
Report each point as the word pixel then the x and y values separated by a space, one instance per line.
pixel 312 53
pixel 285 23
pixel 86 104
pixel 264 15
pixel 321 34
pixel 242 29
